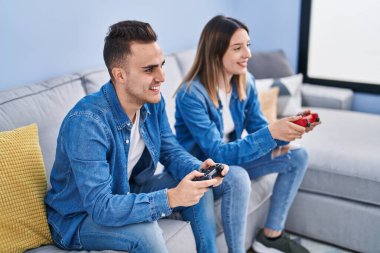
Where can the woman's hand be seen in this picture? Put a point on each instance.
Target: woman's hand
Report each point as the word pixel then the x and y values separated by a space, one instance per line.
pixel 284 129
pixel 312 125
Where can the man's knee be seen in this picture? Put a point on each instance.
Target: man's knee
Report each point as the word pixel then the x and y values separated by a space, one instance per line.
pixel 144 237
pixel 141 237
pixel 149 235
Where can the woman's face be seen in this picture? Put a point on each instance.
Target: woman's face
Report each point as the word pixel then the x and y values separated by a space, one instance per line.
pixel 235 59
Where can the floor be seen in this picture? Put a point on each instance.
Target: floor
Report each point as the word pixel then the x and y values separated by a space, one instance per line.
pixel 315 247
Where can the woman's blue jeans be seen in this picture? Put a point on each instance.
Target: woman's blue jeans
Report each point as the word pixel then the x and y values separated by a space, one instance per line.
pixel 291 168
pixel 234 193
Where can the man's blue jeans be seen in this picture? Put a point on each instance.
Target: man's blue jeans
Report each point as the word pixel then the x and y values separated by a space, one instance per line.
pixel 147 237
pixel 291 168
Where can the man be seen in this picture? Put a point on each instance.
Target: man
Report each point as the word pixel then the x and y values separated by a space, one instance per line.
pixel 104 192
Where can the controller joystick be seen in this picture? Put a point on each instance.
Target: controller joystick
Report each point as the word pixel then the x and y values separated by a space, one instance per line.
pixel 211 172
pixel 306 120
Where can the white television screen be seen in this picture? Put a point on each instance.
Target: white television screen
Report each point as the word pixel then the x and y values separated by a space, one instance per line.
pixel 343 43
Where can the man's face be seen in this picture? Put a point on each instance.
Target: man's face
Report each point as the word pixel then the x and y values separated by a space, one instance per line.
pixel 143 74
pixel 235 60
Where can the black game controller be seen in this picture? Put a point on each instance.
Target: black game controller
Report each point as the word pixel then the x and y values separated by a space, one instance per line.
pixel 211 172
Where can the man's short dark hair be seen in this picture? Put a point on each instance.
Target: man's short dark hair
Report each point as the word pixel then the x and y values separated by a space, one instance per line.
pixel 118 41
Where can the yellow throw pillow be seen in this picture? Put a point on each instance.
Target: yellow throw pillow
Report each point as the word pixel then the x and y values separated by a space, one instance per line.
pixel 23 223
pixel 268 101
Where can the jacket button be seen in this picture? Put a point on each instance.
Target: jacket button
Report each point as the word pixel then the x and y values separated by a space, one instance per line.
pixel 127 141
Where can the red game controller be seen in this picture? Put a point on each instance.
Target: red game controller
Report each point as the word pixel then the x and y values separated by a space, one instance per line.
pixel 306 120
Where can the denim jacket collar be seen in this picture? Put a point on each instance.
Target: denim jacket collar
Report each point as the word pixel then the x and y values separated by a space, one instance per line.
pixel 198 86
pixel 120 116
pixel 234 90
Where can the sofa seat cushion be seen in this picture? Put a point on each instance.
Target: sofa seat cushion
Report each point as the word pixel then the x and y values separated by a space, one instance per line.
pixel 178 235
pixel 344 156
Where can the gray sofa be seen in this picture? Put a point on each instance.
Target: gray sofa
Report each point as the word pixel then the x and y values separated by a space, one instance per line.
pixel 338 201
pixel 46 103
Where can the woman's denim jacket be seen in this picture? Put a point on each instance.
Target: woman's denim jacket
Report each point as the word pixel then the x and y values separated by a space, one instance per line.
pixel 199 125
pixel 89 175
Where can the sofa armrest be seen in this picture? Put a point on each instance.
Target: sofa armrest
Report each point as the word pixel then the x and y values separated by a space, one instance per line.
pixel 328 97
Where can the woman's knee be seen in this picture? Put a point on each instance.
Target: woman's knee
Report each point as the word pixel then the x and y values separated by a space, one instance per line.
pixel 238 177
pixel 300 158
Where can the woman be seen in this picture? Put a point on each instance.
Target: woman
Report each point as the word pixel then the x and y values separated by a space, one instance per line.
pixel 217 101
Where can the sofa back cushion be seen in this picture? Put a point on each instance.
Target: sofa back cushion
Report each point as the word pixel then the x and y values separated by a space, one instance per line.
pixel 173 77
pixel 185 60
pixel 272 69
pixel 46 104
pixel 93 79
pixel 263 64
pixel 268 101
pixel 289 100
pixel 270 64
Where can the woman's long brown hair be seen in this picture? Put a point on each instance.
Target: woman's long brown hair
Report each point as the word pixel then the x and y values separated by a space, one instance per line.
pixel 208 62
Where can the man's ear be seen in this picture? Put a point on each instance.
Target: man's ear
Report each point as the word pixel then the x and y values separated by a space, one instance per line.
pixel 118 75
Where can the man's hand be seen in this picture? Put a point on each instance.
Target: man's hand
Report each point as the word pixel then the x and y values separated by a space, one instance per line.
pixel 209 162
pixel 188 192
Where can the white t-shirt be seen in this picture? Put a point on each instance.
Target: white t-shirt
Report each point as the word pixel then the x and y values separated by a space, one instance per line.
pixel 228 123
pixel 136 145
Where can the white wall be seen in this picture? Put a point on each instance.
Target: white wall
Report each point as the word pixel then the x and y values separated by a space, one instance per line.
pixel 274 24
pixel 40 39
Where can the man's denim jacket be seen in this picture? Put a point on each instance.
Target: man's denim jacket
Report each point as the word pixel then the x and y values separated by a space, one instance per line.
pixel 199 125
pixel 89 175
